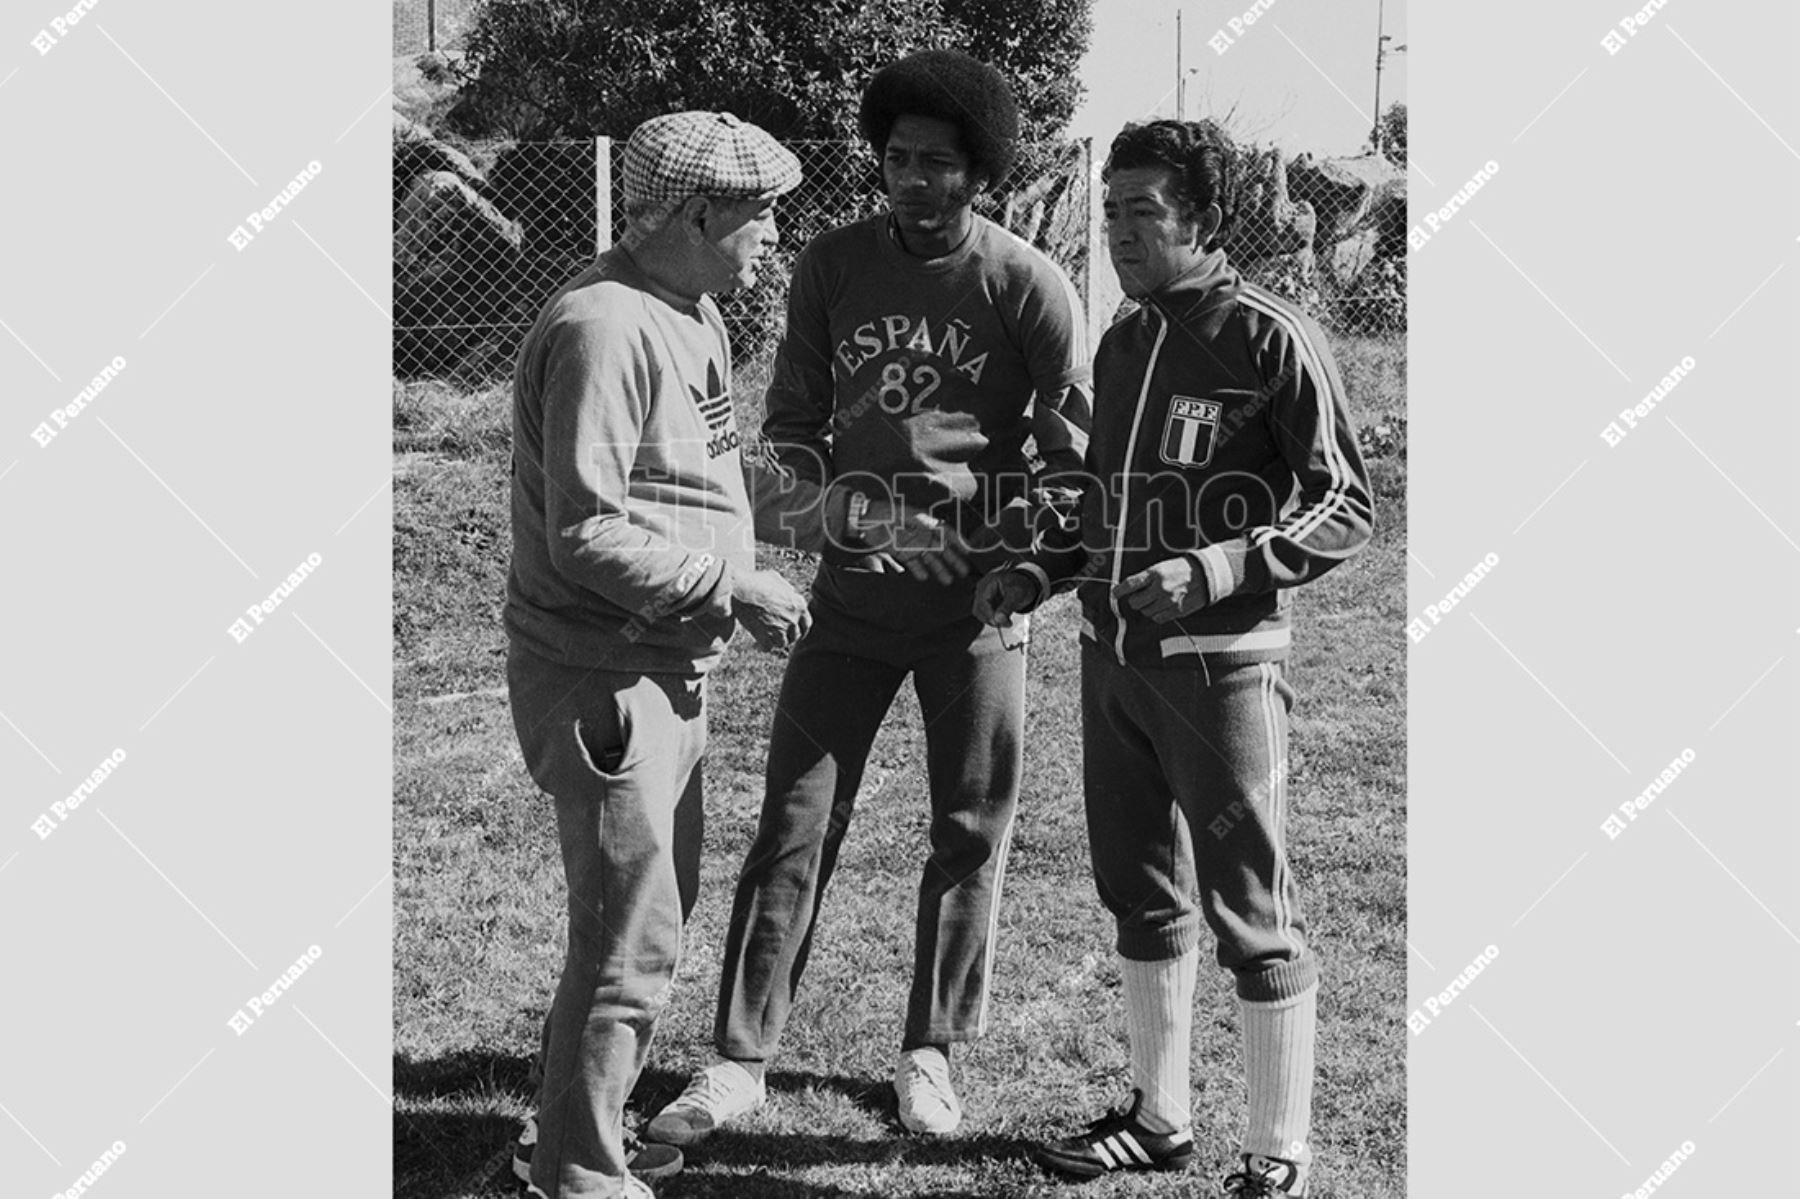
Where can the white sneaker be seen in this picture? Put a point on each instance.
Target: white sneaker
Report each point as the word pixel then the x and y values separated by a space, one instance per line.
pixel 922 1085
pixel 714 1096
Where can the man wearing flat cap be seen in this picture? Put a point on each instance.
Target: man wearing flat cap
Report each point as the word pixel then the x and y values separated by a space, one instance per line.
pixel 633 563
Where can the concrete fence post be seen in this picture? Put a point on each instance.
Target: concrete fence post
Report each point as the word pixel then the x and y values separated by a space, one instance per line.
pixel 603 202
pixel 1099 312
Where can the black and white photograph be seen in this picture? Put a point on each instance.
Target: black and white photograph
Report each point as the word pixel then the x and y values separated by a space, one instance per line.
pixel 1000 373
pixel 917 598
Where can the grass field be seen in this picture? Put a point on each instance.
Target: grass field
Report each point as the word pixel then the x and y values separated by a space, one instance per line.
pixel 479 916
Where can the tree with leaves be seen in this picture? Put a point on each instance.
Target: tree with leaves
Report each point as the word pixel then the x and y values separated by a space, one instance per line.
pixel 1393 134
pixel 543 69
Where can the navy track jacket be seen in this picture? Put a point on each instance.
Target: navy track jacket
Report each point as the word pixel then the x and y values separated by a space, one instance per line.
pixel 1221 431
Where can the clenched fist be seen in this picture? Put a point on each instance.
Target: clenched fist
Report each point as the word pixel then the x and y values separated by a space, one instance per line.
pixel 1000 593
pixel 768 606
pixel 1164 590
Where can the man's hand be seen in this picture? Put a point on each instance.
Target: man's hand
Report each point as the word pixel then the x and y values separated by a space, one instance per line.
pixel 919 543
pixel 769 607
pixel 1164 591
pixel 929 549
pixel 1000 593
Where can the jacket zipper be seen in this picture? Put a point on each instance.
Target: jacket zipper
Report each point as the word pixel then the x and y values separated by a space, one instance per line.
pixel 1137 417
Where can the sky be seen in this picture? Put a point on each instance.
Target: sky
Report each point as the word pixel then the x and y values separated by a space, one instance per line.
pixel 1301 72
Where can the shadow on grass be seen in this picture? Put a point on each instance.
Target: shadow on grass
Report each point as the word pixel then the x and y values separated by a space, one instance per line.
pixel 656 1088
pixel 471 1073
pixel 759 1165
pixel 453 1134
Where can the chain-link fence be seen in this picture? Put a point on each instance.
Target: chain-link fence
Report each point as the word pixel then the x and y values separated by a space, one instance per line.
pixel 1329 234
pixel 1046 202
pixel 479 245
pixel 481 242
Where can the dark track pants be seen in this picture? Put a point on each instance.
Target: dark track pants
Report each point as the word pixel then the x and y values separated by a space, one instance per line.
pixel 620 754
pixel 868 633
pixel 1186 788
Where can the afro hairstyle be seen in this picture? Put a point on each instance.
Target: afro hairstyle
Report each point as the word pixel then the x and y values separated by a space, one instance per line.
pixel 949 86
pixel 1198 153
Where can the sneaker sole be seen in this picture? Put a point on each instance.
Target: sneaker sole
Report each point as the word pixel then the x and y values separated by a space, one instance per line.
pixel 521 1166
pixel 1085 1167
pixel 925 1130
pixel 648 1162
pixel 671 1132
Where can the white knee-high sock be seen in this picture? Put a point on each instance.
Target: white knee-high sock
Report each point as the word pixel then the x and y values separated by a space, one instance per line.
pixel 1159 1021
pixel 1278 1066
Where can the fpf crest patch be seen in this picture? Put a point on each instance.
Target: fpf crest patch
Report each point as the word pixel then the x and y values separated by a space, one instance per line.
pixel 1188 434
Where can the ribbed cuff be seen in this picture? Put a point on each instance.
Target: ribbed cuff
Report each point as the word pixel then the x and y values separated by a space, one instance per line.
pixel 717 600
pixel 1038 577
pixel 1215 568
pixel 1280 981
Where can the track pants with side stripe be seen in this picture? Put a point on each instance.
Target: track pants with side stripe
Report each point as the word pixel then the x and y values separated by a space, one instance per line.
pixel 869 632
pixel 1185 778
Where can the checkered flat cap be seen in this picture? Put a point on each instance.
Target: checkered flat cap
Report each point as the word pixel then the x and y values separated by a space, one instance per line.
pixel 706 154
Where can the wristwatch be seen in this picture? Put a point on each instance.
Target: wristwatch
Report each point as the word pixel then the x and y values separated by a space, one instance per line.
pixel 856 518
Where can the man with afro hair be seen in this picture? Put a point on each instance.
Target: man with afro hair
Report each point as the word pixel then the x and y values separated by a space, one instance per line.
pixel 923 347
pixel 947 85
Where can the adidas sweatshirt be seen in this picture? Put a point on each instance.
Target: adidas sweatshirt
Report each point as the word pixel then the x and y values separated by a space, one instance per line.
pixel 630 511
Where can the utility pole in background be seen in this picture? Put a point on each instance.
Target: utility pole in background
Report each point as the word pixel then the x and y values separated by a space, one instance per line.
pixel 431 24
pixel 1180 76
pixel 1381 52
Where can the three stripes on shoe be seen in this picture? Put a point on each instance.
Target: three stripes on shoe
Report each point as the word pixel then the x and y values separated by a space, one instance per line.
pixel 1120 1150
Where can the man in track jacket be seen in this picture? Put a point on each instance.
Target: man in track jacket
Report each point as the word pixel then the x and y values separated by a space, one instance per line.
pixel 1222 470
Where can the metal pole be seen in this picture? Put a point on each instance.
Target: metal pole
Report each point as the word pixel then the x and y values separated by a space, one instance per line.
pixel 1380 20
pixel 431 24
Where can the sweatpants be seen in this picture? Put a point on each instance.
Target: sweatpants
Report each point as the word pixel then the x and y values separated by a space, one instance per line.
pixel 621 756
pixel 869 633
pixel 1186 792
